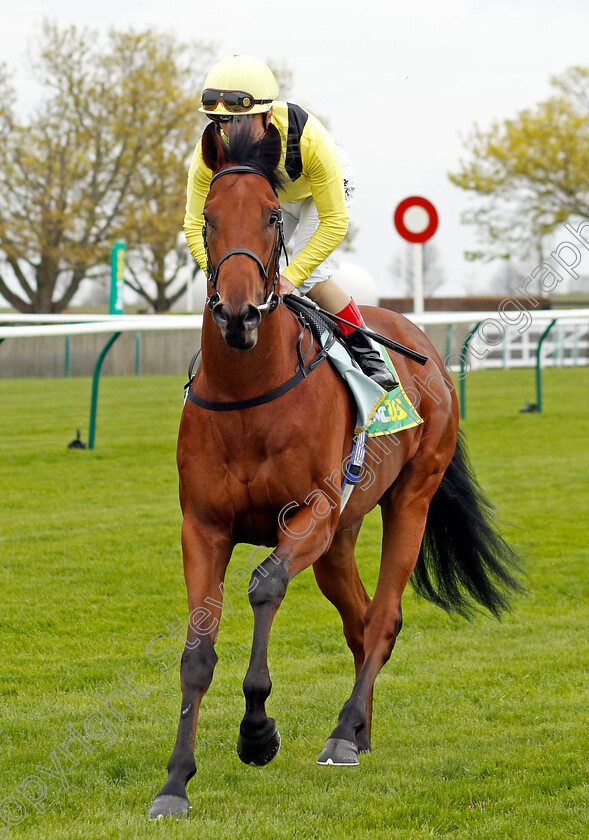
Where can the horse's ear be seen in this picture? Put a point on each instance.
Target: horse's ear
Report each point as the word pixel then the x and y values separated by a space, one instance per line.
pixel 212 148
pixel 271 146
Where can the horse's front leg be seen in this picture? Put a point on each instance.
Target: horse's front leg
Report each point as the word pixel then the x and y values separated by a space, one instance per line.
pixel 206 555
pixel 303 541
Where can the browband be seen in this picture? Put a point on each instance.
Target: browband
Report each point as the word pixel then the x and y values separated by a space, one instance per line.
pixel 237 170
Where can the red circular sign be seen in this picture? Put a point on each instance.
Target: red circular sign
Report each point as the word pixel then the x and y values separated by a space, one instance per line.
pixel 428 231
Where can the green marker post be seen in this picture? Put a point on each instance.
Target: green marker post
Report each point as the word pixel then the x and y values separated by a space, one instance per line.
pixel 117 282
pixel 116 307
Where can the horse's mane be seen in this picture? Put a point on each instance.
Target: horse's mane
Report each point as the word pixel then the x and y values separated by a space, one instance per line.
pixel 244 150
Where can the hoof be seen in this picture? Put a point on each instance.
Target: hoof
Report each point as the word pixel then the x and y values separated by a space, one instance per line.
pixel 169 806
pixel 260 751
pixel 339 752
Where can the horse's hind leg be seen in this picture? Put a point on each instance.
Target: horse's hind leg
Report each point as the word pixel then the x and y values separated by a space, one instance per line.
pixel 338 578
pixel 404 514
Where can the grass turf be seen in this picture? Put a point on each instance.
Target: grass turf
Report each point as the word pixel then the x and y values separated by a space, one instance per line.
pixel 478 729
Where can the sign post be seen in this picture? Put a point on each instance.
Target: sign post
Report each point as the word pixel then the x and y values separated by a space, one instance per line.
pixel 117 282
pixel 416 220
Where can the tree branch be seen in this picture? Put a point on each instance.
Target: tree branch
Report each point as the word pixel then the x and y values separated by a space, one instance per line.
pixel 13 299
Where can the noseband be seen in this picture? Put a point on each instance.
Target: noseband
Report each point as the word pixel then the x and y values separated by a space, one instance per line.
pixel 271 298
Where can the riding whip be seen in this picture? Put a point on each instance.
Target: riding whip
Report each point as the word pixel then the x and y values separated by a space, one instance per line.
pixel 381 339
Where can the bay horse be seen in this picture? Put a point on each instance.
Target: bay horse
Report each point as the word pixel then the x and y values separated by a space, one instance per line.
pixel 260 461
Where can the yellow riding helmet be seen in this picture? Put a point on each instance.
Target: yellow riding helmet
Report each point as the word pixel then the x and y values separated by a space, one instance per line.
pixel 240 84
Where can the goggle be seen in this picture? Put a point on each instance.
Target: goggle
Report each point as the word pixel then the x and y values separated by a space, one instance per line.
pixel 220 118
pixel 236 101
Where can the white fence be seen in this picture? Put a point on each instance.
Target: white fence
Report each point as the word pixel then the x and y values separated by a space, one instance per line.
pixel 566 345
pixel 493 339
pixel 65 345
pixel 497 343
pixel 500 342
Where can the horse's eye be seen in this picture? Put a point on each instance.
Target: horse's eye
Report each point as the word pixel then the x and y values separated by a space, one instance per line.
pixel 274 217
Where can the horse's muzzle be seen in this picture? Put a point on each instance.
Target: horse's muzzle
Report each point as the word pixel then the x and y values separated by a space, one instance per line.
pixel 240 330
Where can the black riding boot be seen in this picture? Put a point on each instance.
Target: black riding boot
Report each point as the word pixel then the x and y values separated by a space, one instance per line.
pixel 369 359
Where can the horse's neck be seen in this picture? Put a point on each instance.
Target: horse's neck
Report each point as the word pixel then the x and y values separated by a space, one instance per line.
pixel 231 375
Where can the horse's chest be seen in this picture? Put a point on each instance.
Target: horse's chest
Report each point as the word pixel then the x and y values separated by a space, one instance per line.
pixel 249 480
pixel 255 497
pixel 261 484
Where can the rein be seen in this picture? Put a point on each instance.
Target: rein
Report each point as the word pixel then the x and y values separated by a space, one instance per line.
pixel 271 298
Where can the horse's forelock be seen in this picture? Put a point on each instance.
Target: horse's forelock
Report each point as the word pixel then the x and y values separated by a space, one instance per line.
pixel 244 150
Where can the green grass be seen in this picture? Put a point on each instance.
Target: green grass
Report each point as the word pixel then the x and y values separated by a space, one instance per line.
pixel 479 727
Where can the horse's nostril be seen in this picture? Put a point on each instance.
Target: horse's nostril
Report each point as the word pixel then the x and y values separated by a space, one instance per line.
pixel 250 316
pixel 221 315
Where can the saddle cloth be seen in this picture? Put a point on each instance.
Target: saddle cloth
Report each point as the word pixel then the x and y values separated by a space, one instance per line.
pixel 377 412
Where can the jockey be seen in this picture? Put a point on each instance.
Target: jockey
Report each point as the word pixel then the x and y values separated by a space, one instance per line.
pixel 319 188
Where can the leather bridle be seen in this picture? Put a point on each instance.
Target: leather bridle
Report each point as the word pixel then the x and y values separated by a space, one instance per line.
pixel 271 298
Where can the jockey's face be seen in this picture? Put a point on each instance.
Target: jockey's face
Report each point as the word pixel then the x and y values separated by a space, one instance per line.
pixel 258 122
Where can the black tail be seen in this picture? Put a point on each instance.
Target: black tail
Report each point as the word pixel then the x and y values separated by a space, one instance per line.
pixel 464 560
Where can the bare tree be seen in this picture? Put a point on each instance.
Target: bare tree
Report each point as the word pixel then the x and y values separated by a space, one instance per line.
pixel 76 176
pixel 402 269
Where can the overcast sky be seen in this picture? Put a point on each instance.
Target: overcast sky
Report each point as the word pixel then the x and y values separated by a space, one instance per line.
pixel 399 83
